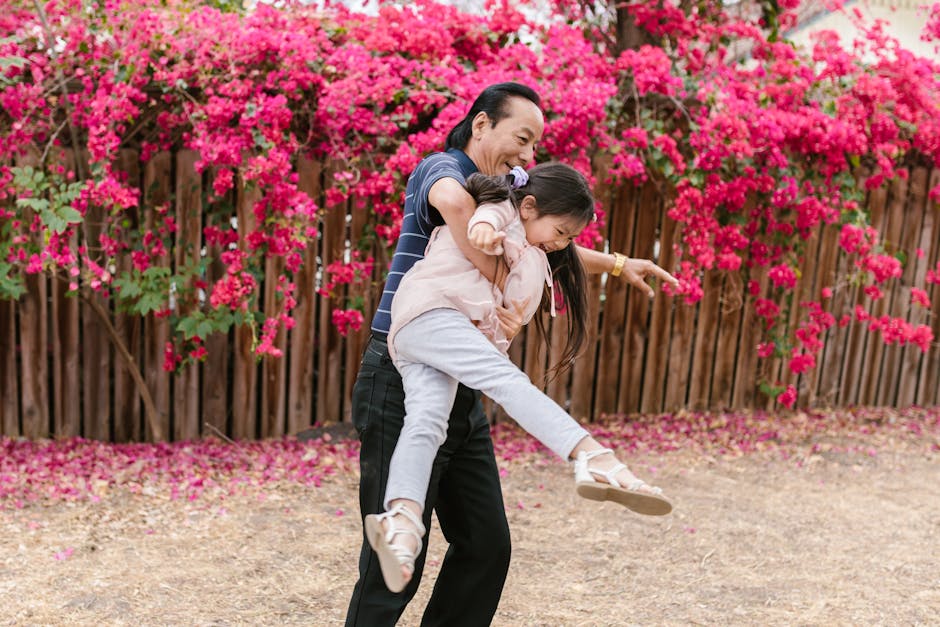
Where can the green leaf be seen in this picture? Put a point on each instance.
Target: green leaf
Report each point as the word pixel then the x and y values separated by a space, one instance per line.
pixel 127 287
pixel 155 273
pixel 188 327
pixel 8 62
pixel 205 329
pixel 149 302
pixel 11 287
pixel 36 204
pixel 52 220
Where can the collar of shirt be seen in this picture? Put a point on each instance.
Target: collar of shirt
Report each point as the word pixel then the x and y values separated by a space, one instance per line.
pixel 467 166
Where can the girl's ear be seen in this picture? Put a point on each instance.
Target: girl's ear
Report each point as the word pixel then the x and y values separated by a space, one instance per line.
pixel 528 210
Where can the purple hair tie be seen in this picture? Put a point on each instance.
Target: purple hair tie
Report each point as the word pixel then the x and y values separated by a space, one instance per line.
pixel 519 177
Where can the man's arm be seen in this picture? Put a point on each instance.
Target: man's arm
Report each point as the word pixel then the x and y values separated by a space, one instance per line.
pixel 634 271
pixel 457 206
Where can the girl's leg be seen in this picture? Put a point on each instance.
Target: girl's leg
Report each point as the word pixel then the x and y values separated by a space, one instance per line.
pixel 429 395
pixel 475 362
pixel 461 351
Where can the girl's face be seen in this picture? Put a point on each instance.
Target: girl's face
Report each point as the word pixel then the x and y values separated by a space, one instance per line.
pixel 548 232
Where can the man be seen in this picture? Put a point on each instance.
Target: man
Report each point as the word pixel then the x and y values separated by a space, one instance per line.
pixel 498 133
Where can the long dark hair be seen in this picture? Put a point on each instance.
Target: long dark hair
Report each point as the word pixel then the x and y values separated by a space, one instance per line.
pixel 558 189
pixel 491 101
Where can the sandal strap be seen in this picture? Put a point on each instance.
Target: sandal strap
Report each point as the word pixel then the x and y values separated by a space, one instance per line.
pixel 583 473
pixel 641 486
pixel 407 513
pixel 609 475
pixel 589 455
pixel 405 556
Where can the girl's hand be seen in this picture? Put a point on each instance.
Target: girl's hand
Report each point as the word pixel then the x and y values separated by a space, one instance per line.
pixel 484 237
pixel 512 320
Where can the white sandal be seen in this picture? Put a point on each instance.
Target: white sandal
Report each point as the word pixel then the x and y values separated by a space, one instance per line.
pixel 393 556
pixel 639 496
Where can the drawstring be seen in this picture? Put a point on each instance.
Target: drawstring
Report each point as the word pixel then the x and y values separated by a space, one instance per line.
pixel 551 285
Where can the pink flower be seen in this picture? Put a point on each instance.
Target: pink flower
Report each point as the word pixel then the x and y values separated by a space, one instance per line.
pixel 766 349
pixel 921 336
pixel 801 363
pixel 346 319
pixel 883 267
pixel 782 276
pixel 856 239
pixel 170 358
pixel 787 398
pixel 920 297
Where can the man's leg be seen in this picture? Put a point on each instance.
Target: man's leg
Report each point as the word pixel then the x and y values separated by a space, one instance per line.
pixel 469 506
pixel 378 414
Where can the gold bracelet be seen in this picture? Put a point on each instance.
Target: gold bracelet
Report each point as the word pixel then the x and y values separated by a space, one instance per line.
pixel 619 260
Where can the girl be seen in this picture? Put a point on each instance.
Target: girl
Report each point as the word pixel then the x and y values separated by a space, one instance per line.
pixel 445 330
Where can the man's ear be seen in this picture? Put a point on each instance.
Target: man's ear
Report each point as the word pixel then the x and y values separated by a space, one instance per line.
pixel 480 121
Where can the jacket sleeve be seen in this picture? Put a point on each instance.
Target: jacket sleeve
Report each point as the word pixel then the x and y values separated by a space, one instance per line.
pixel 497 215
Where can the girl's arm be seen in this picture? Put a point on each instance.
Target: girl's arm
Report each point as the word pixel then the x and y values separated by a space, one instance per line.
pixel 486 229
pixel 634 271
pixel 457 206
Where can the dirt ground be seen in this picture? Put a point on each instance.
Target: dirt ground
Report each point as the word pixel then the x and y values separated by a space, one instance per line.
pixel 829 538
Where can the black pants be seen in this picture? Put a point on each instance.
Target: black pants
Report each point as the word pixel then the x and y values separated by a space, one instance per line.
pixel 464 491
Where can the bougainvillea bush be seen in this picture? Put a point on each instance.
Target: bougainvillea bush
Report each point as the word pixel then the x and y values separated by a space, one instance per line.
pixel 754 142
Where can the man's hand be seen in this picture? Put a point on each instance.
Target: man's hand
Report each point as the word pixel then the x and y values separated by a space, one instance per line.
pixel 636 271
pixel 512 320
pixel 484 237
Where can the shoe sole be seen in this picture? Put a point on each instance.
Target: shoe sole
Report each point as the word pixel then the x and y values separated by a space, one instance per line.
pixel 639 502
pixel 388 561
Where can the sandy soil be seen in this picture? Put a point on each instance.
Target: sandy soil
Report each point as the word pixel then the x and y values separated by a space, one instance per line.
pixel 832 538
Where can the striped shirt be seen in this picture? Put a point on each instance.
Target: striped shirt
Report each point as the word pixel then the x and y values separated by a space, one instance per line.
pixel 419 220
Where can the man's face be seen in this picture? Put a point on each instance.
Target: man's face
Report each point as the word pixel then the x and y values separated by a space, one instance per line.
pixel 497 149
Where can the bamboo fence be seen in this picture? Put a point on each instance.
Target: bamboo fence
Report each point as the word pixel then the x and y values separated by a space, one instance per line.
pixel 61 376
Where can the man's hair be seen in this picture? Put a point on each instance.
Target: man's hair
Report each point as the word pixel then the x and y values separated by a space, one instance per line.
pixel 492 101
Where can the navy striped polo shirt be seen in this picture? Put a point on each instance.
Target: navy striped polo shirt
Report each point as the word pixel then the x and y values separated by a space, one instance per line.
pixel 419 220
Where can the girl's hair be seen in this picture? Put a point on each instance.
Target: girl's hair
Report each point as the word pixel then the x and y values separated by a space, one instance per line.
pixel 492 101
pixel 559 190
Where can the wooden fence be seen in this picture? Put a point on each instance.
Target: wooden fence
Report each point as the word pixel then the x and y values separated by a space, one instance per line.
pixel 61 376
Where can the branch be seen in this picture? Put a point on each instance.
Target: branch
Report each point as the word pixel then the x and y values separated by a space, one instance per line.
pixel 153 415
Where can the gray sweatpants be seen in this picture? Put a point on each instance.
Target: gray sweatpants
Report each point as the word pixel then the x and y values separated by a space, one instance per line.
pixel 433 353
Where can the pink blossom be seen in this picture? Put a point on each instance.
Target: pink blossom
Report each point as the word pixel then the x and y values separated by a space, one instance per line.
pixel 920 297
pixel 766 349
pixel 783 276
pixel 802 362
pixel 883 267
pixel 347 319
pixel 787 398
